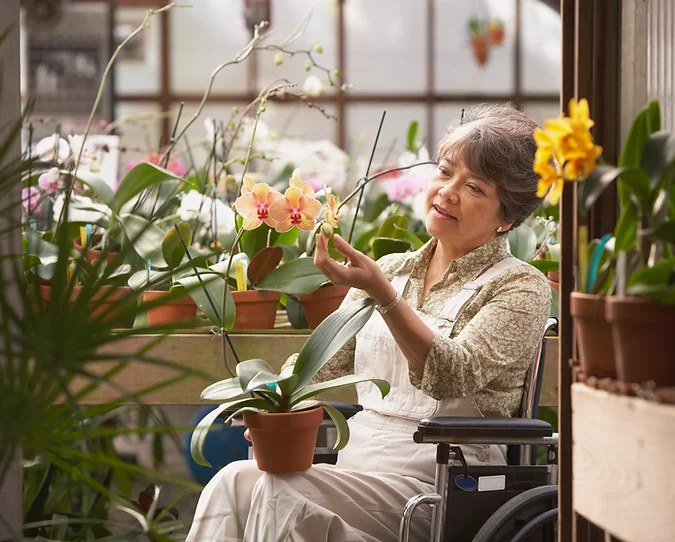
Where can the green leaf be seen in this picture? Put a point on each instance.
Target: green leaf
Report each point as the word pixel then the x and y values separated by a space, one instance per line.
pixel 224 390
pixel 299 276
pixel 215 285
pixel 100 188
pixel 415 242
pixel 602 176
pixel 665 232
pixel 660 294
pixel 383 245
pixel 644 125
pixel 29 261
pixel 255 372
pixel 253 241
pixel 412 136
pixel 140 178
pixel 388 227
pixel 626 228
pixel 172 247
pixel 376 208
pixel 660 274
pixel 545 265
pixel 295 313
pixel 331 335
pixel 221 267
pixel 362 242
pixel 287 238
pixel 146 238
pixel 522 242
pixel 264 263
pixel 349 380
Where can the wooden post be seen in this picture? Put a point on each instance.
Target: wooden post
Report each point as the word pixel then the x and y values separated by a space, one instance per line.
pixel 11 490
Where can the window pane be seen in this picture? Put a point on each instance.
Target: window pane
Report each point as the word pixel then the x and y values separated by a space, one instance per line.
pixel 445 114
pixel 137 69
pixel 542 111
pixel 203 36
pixel 541 48
pixel 299 121
pixel 456 67
pixel 385 47
pixel 363 122
pixel 140 129
pixel 321 28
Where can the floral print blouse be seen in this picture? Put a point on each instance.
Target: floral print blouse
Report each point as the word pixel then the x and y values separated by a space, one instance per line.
pixel 494 339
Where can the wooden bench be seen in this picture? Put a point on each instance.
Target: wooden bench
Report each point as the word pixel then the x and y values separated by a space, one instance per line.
pixel 202 352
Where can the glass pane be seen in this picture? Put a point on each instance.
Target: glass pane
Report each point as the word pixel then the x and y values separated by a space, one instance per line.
pixel 444 115
pixel 541 48
pixel 140 127
pixel 321 28
pixel 203 36
pixel 463 64
pixel 362 124
pixel 385 47
pixel 542 111
pixel 299 121
pixel 137 69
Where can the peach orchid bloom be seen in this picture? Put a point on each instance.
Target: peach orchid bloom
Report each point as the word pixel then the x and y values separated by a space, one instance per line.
pixel 255 206
pixel 332 214
pixel 247 186
pixel 296 181
pixel 294 209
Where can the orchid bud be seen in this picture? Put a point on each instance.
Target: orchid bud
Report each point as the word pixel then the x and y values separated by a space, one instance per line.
pixel 318 48
pixel 94 166
pixel 327 230
pixel 308 66
pixel 279 59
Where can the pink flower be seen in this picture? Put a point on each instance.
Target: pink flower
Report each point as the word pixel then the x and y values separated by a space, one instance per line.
pixel 295 209
pixel 404 186
pixel 255 206
pixel 50 181
pixel 174 166
pixel 30 199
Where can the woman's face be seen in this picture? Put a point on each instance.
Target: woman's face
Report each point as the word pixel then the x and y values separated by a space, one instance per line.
pixel 461 211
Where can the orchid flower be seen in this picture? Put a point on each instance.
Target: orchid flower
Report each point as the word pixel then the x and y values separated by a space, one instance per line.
pixel 255 206
pixel 294 209
pixel 296 181
pixel 52 149
pixel 332 214
pixel 51 180
pixel 30 199
pixel 247 186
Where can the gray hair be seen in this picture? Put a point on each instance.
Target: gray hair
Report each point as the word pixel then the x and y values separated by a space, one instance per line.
pixel 496 144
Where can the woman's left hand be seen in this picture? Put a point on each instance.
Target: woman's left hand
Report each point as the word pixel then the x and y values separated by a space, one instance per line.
pixel 360 272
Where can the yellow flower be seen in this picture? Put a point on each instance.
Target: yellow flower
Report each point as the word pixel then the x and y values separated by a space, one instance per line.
pixel 549 177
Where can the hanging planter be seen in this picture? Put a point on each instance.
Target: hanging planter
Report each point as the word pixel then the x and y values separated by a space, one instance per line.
pixel 322 302
pixel 495 34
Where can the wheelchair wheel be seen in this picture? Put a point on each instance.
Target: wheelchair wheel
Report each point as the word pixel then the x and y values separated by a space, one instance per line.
pixel 527 517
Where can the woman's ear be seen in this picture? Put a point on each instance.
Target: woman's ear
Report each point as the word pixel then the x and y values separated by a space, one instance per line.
pixel 504 227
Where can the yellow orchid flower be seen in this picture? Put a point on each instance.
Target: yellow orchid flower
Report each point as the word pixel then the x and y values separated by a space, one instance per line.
pixel 305 187
pixel 247 186
pixel 549 177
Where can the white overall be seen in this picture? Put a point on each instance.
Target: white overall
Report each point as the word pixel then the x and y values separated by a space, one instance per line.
pixel 361 498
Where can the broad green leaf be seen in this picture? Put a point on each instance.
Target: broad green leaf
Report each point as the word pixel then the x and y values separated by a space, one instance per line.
pixel 660 294
pixel 172 247
pixel 331 335
pixel 248 370
pixel 545 265
pixel 415 242
pixel 665 232
pixel 375 209
pixel 299 276
pixel 384 245
pixel 341 426
pixel 29 261
pixel 254 241
pixel 296 314
pixel 215 286
pixel 626 228
pixel 145 237
pixel 412 136
pixel 388 227
pixel 349 380
pixel 522 242
pixel 660 274
pixel 658 158
pixel 287 238
pixel 221 267
pixel 362 242
pixel 140 178
pixel 264 263
pixel 602 176
pixel 100 187
pixel 659 212
pixel 223 390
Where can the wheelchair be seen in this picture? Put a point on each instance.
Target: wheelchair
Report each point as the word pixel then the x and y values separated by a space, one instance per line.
pixel 516 502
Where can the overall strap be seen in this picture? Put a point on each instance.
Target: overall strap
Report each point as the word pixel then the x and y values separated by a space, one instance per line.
pixel 455 305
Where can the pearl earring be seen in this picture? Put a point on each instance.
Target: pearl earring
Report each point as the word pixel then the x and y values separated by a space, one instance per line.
pixel 499 229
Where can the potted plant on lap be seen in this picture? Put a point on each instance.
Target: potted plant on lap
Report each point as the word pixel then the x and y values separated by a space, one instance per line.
pixel 279 409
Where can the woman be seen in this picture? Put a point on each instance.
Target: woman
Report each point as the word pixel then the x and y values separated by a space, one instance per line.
pixel 456 329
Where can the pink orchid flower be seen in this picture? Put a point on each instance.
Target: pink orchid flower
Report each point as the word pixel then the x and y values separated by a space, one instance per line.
pixel 247 186
pixel 295 209
pixel 255 206
pixel 30 199
pixel 50 181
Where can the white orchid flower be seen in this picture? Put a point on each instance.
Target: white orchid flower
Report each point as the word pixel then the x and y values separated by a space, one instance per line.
pixel 195 205
pixel 313 86
pixel 52 149
pixel 82 209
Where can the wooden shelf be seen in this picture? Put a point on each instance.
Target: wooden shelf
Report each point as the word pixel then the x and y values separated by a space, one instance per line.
pixel 624 464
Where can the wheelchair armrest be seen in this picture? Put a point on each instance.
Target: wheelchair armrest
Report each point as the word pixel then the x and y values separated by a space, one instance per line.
pixel 470 430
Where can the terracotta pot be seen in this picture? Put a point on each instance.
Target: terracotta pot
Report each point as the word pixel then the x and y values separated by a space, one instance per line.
pixel 256 309
pixel 284 442
pixel 554 280
pixel 644 340
pixel 594 335
pixel 480 50
pixel 495 35
pixel 178 310
pixel 321 303
pixel 91 255
pixel 104 306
